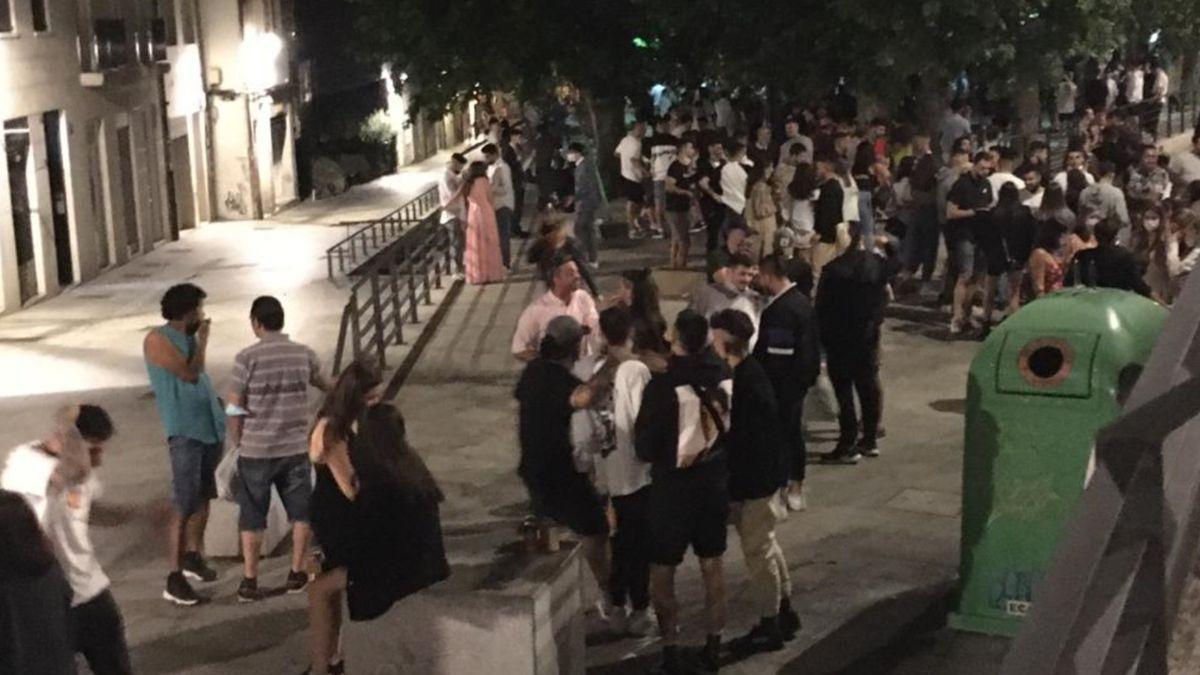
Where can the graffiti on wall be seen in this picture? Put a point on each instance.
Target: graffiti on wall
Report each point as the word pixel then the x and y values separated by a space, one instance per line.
pixel 235 202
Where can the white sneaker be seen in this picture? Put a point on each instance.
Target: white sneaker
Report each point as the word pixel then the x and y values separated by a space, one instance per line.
pixel 615 616
pixel 642 623
pixel 796 499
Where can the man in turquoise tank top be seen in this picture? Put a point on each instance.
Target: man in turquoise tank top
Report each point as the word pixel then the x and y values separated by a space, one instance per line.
pixel 195 426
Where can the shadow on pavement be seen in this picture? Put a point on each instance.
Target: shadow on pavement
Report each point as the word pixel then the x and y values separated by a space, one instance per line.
pixel 179 651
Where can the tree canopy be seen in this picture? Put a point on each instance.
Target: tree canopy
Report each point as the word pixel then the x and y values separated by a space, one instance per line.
pixel 612 48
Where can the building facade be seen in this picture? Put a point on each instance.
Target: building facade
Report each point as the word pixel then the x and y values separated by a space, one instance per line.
pixel 83 184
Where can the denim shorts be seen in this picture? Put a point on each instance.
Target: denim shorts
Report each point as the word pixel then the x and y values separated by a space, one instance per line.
pixel 193 468
pixel 660 194
pixel 970 258
pixel 292 479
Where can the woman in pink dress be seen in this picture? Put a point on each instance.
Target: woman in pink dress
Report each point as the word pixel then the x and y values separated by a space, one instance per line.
pixel 482 254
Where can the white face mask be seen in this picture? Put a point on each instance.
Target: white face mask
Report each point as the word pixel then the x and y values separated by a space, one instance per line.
pixel 1151 224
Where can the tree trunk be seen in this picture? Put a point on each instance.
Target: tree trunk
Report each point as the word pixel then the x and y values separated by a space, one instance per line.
pixel 1187 70
pixel 1027 125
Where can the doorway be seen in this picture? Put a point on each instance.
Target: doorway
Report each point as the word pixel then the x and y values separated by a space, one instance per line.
pixel 180 181
pixel 100 224
pixel 17 151
pixel 128 211
pixel 55 163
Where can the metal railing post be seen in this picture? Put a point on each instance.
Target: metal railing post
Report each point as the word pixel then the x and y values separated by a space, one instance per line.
pixel 355 329
pixel 397 306
pixel 412 290
pixel 377 318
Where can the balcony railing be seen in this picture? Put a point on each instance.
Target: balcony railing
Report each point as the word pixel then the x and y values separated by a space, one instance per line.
pixel 111 45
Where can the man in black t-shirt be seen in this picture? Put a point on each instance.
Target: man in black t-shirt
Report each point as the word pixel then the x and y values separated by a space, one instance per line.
pixel 709 182
pixel 967 213
pixel 681 185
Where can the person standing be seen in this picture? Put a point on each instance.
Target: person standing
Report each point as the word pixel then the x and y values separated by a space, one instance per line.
pixel 454 209
pixel 1185 165
pixel 730 290
pixel 633 175
pixel 194 422
pixel 733 184
pixel 850 299
pixel 967 206
pixel 681 185
pixel 661 147
pixel 1065 98
pixel 606 434
pixel 827 213
pixel 482 255
pixel 57 478
pixel 789 349
pixel 270 387
pixel 587 201
pixel 564 296
pixel 1103 200
pixel 503 199
pixel 681 432
pixel 762 213
pixel 754 446
pixel 712 209
pixel 513 153
pixel 956 125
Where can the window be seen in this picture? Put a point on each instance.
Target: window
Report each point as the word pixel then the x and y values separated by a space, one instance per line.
pixel 6 24
pixel 187 21
pixel 41 15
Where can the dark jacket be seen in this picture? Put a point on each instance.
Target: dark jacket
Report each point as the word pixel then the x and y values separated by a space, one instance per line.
pixel 1108 266
pixel 587 187
pixel 656 431
pixel 850 301
pixel 34 623
pixel 827 212
pixel 789 346
pixel 755 434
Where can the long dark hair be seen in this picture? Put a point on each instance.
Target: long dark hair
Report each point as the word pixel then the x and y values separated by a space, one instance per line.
pixel 1008 204
pixel 475 170
pixel 27 554
pixel 804 182
pixel 544 246
pixel 347 401
pixel 1076 184
pixel 384 459
pixel 1053 201
pixel 649 324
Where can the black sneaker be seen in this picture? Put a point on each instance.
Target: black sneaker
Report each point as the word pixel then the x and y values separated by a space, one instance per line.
pixel 764 637
pixel 710 656
pixel 789 620
pixel 179 591
pixel 248 590
pixel 842 454
pixel 196 569
pixel 671 663
pixel 296 582
pixel 867 447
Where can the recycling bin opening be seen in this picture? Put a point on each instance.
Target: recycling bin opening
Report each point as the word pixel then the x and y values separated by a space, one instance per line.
pixel 1046 362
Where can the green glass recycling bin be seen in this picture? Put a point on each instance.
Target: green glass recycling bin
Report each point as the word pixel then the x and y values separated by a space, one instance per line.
pixel 1040 387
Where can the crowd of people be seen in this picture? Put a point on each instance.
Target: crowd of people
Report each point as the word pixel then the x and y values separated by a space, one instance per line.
pixel 373 506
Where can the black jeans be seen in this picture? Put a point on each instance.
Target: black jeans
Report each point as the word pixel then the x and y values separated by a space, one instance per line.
pixel 99 634
pixel 791 413
pixel 851 372
pixel 630 578
pixel 714 218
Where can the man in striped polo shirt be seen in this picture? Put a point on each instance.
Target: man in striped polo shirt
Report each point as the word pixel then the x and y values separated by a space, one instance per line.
pixel 269 420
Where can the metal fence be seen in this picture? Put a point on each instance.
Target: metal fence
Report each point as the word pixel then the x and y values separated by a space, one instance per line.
pixel 391 287
pixel 359 246
pixel 1178 115
pixel 1111 597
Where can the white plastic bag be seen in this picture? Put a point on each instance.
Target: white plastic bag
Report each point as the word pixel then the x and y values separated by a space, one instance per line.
pixel 226 473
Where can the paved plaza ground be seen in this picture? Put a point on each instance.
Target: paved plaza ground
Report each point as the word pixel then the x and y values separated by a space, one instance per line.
pixel 877 547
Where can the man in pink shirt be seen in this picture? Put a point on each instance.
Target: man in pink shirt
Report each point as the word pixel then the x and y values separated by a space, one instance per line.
pixel 565 297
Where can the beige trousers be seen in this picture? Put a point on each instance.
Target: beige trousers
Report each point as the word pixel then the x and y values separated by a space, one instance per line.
pixel 770 582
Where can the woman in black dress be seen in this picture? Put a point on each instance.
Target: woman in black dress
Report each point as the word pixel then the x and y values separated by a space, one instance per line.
pixel 374 512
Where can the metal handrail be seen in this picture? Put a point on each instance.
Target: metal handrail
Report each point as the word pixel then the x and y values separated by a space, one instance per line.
pixel 391 288
pixel 378 233
pixel 1110 598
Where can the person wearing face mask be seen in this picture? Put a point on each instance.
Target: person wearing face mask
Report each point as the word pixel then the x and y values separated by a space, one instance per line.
pixel 194 423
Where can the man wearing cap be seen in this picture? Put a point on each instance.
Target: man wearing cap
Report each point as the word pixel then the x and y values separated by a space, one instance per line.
pixel 565 298
pixel 548 395
pixel 454 209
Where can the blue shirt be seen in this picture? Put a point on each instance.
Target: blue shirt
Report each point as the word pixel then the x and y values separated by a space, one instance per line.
pixel 188 409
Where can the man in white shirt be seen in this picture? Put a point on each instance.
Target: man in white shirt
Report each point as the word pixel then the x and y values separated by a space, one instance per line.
pixel 1006 158
pixel 1033 190
pixel 1066 98
pixel 1075 160
pixel 1185 166
pixel 454 206
pixel 733 185
pixel 564 297
pixel 604 433
pixel 56 476
pixel 503 197
pixel 1135 84
pixel 633 175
